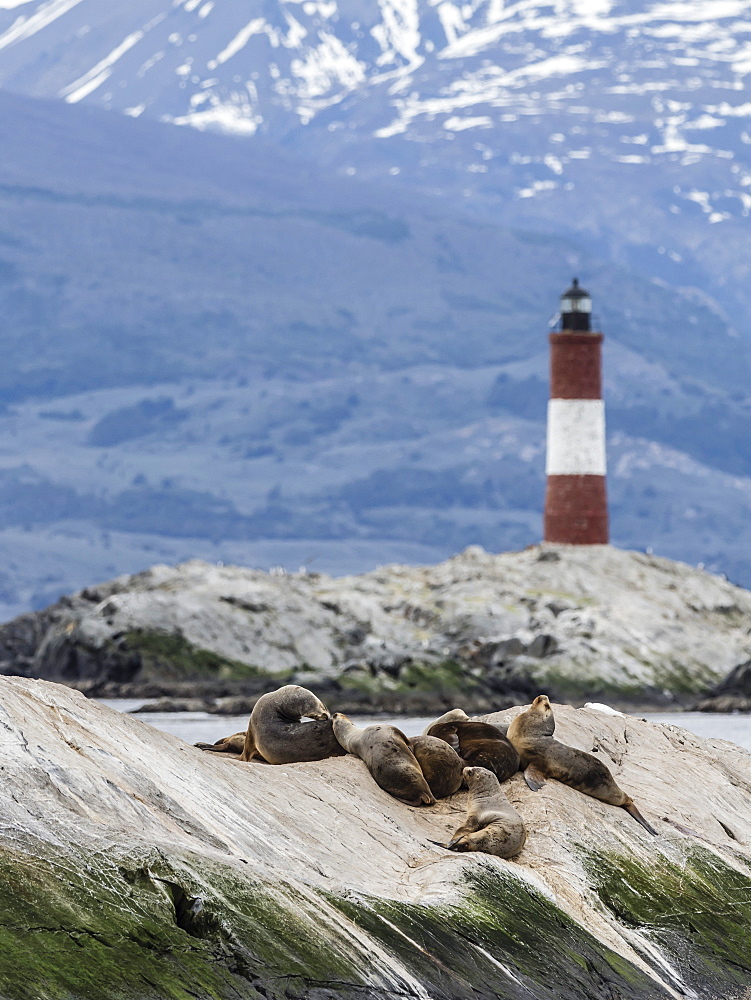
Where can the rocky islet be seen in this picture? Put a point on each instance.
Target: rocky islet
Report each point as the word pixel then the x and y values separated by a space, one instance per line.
pixel 581 623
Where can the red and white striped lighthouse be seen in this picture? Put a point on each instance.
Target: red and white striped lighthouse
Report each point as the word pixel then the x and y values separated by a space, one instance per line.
pixel 576 506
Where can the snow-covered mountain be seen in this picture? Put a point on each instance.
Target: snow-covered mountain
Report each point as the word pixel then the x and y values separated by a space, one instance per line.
pixel 663 77
pixel 623 120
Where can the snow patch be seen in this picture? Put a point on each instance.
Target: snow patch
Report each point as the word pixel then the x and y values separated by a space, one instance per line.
pixel 25 27
pixel 398 34
pixel 598 706
pixel 327 66
pixel 536 188
pixel 457 124
pixel 397 127
pixel 96 76
pixel 152 61
pixel 234 117
pixel 255 27
pixel 452 22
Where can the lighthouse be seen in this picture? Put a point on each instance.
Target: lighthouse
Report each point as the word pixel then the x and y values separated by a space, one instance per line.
pixel 576 507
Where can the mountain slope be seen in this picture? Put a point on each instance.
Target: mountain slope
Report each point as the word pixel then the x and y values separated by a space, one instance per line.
pixel 212 348
pixel 622 120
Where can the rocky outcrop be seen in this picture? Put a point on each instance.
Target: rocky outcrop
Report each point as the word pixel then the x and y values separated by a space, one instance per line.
pixel 135 865
pixel 733 694
pixel 577 621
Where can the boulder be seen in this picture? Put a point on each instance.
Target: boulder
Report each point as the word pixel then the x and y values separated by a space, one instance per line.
pixel 732 694
pixel 134 865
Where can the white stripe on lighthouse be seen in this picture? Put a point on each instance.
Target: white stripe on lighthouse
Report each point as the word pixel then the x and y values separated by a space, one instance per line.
pixel 576 437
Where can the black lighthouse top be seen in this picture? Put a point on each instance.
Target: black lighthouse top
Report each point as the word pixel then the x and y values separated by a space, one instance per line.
pixel 576 308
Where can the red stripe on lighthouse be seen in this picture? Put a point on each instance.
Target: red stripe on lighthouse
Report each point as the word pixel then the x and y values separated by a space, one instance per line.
pixel 576 510
pixel 575 365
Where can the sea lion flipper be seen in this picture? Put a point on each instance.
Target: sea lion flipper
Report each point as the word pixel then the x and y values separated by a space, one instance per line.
pixel 633 811
pixel 458 843
pixel 249 748
pixel 534 777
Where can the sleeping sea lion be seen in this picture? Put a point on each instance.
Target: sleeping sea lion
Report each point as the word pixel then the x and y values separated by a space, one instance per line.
pixel 455 715
pixel 542 756
pixel 492 825
pixel 479 744
pixel 277 734
pixel 234 745
pixel 386 753
pixel 440 764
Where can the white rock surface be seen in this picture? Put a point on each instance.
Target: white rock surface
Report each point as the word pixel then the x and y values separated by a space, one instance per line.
pixel 81 780
pixel 594 617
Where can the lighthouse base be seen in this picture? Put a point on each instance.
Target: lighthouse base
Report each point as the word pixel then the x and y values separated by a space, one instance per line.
pixel 576 510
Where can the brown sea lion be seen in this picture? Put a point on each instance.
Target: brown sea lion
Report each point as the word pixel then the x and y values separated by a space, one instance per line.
pixel 277 734
pixel 234 745
pixel 479 744
pixel 440 764
pixel 492 825
pixel 386 753
pixel 542 757
pixel 455 715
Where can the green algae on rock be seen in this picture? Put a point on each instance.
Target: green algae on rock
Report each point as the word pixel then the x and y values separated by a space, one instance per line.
pixel 694 906
pixel 169 655
pixel 179 928
pixel 172 929
pixel 500 938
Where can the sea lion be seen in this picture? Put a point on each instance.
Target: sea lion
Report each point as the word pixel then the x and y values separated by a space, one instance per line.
pixel 541 756
pixel 479 744
pixel 227 744
pixel 455 715
pixel 492 825
pixel 440 764
pixel 277 734
pixel 386 753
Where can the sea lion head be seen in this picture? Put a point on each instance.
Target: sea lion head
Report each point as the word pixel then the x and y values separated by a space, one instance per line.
pixel 540 716
pixel 342 728
pixel 480 779
pixel 297 702
pixel 445 731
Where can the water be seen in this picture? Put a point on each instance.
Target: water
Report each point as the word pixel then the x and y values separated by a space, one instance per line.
pixel 200 727
pixel 712 725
